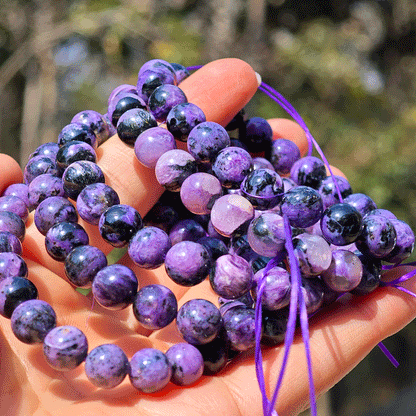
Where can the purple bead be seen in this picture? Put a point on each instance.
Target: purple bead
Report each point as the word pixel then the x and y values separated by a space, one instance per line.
pixel 54 210
pixel 83 263
pixel 157 64
pixel 78 132
pixel 47 149
pixel 106 366
pixel 214 246
pixel 152 144
pixel 377 238
pixel 80 174
pixel 199 321
pixel 258 135
pixel 94 121
pixel 187 263
pixel 20 190
pixel 173 167
pixel 361 202
pixel 183 118
pixel 231 276
pixel 11 222
pixel 308 171
pixel 9 243
pixel 73 152
pixel 239 323
pixel 114 100
pixel 277 286
pixel 14 204
pixel 114 287
pixel 261 163
pixel 329 193
pixel 123 103
pixel 313 293
pixel 383 212
pixel 288 184
pixel 150 370
pixel 313 254
pixel 65 347
pixel 405 242
pixel 206 140
pixel 232 165
pixel 345 271
pixel 133 123
pixel 266 234
pixel 11 265
pixel 126 88
pixel 14 291
pixel 180 71
pixel 163 99
pixel 118 224
pixel 150 79
pixel 94 200
pixel 274 324
pixel 230 213
pixel 371 275
pixel 112 131
pixel 39 165
pixel 186 362
pixel 63 237
pixel 155 306
pixel 44 186
pixel 32 320
pixel 284 153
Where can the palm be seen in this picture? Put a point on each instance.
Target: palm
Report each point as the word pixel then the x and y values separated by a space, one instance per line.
pixel 340 337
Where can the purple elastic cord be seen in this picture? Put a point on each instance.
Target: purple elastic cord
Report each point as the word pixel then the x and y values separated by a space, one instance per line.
pixel 194 68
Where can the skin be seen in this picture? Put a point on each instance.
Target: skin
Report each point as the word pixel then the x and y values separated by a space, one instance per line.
pixel 340 337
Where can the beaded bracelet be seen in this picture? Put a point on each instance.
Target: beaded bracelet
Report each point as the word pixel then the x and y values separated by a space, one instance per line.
pixel 261 210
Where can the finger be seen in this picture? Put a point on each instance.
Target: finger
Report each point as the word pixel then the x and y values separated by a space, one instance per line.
pixel 10 172
pixel 220 88
pixel 284 128
pixel 335 171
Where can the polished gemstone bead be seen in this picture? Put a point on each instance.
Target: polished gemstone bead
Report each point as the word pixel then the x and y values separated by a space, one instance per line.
pixel 308 171
pixel 239 322
pixel 124 88
pixel 405 242
pixel 123 103
pixel 73 152
pixel 328 190
pixel 258 135
pixel 371 275
pixel 79 132
pixel 11 265
pixel 14 204
pixel 46 149
pixel 9 243
pixel 20 190
pixel 12 223
pixel 313 293
pixel 361 202
pixel 261 163
pixel 214 246
pixel 39 165
pixel 150 79
pixel 93 121
pixel 284 153
pixel 180 71
pixel 163 99
pixel 186 230
pixel 43 187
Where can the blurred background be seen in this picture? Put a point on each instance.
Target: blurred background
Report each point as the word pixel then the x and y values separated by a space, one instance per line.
pixel 349 67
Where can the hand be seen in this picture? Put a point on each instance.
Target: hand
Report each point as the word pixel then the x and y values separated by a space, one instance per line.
pixel 341 336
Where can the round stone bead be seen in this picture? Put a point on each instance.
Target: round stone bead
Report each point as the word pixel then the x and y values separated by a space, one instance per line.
pixel 80 174
pixel 9 243
pixel 266 234
pixel 94 121
pixel 284 153
pixel 32 320
pixel 65 347
pixel 94 200
pixel 288 184
pixel 14 291
pixel 157 64
pixel 133 123
pixel 361 202
pixel 183 118
pixel 232 165
pixel 73 152
pixel 383 212
pixel 313 293
pixel 14 204
pixel 303 206
pixel 261 163
pixel 122 93
pixel 258 135
pixel 112 131
pixel 155 306
pixel 274 324
pixel 148 247
pixel 150 370
pixel 231 276
pixel 106 366
pixel 188 263
pixel 230 213
pixel 240 322
pixel 152 144
pixel 78 132
pixel 263 188
pixel 277 286
pixel 377 238
pixel 124 88
pixel 180 71
pixel 162 216
pixel 186 362
pixel 83 263
pixel 341 224
pixel 199 192
pixel 308 171
pixel 12 223
pixel 63 237
pixel 118 224
pixel 214 246
pixel 151 79
pixel 114 287
pixel 46 149
pixel 371 275
pixel 44 186
pixel 199 321
pixel 125 103
pixel 39 165
pixel 186 230
pixel 54 210
pixel 329 193
pixel 207 139
pixel 313 254
pixel 405 242
pixel 11 265
pixel 163 99
pixel 21 190
pixel 173 167
pixel 345 271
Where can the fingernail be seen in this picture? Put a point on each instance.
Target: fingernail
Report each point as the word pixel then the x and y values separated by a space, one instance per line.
pixel 258 76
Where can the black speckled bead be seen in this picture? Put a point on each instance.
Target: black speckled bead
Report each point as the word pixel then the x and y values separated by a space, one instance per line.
pixel 73 152
pixel 11 222
pixel 308 171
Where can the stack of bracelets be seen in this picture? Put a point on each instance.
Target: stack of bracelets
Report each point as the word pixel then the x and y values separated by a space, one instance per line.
pixel 276 236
